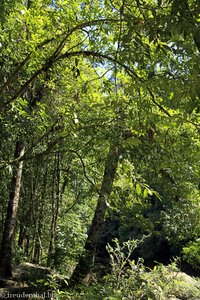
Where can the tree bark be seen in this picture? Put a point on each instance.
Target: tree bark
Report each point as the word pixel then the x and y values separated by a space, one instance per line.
pixel 10 221
pixel 39 226
pixel 55 208
pixel 86 262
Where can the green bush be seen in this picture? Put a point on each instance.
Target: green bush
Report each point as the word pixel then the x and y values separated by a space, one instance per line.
pixel 130 279
pixel 191 254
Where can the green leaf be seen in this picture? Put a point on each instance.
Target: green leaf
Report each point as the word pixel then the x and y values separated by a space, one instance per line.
pixel 145 193
pixel 138 189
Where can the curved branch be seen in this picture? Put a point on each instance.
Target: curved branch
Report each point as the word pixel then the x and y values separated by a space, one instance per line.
pixel 157 104
pixel 14 74
pixel 52 60
pixel 58 49
pixel 84 168
pixel 100 55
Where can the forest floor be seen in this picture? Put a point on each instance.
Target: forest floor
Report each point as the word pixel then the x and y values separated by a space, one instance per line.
pixel 28 282
pixel 23 284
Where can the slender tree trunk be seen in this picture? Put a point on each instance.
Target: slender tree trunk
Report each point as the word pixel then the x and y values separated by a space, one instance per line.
pixel 39 225
pixel 10 221
pixel 24 232
pixel 55 207
pixel 84 267
pixel 33 209
pixel 23 239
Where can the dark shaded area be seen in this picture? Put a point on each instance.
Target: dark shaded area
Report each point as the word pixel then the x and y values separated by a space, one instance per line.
pixel 154 249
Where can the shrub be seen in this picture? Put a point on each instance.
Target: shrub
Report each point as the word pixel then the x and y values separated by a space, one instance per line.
pixel 191 254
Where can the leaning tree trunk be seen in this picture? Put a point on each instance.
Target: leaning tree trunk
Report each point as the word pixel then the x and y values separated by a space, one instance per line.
pixel 9 225
pixel 86 262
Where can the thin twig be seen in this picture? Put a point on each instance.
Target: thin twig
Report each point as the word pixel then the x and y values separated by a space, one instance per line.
pixel 84 168
pixel 157 104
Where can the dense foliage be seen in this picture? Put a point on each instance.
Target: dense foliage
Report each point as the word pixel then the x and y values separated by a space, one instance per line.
pixel 99 127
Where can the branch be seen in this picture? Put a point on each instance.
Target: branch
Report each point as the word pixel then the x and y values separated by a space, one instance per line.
pixel 12 77
pixel 27 155
pixel 52 60
pixel 157 104
pixel 78 27
pixel 100 55
pixel 84 168
pixel 49 62
pixel 56 52
pixel 25 85
pixel 72 206
pixel 99 77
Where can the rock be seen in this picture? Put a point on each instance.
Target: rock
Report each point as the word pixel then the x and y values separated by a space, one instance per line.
pixel 18 287
pixel 190 280
pixel 32 272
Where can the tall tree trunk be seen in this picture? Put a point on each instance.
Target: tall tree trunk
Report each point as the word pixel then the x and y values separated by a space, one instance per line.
pixel 23 239
pixel 10 221
pixel 39 225
pixel 24 232
pixel 34 206
pixel 84 267
pixel 55 207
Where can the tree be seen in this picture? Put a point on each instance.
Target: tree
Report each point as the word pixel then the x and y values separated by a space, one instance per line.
pixel 10 221
pixel 78 76
pixel 85 264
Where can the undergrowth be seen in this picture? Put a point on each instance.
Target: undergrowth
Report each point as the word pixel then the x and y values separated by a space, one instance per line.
pixel 130 279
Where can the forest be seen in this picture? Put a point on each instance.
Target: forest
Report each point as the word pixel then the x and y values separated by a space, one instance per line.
pixel 100 149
